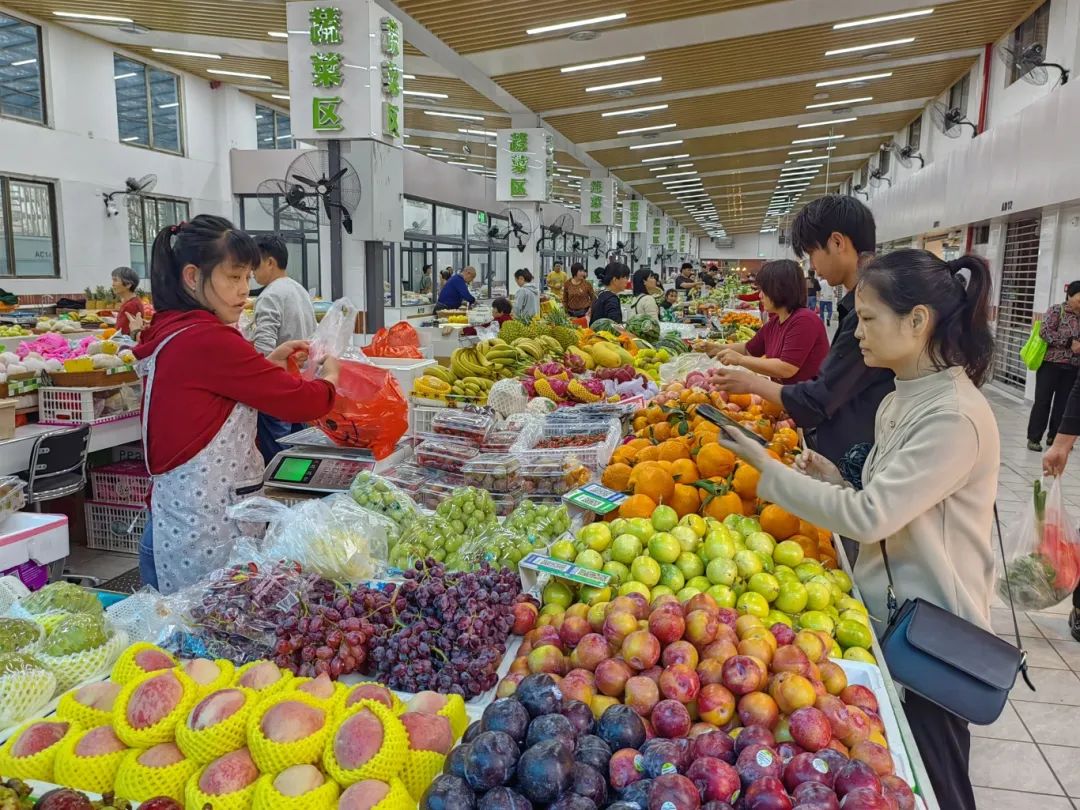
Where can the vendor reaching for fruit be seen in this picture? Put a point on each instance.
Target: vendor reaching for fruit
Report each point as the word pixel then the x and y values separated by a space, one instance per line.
pixel 928 485
pixel 203 386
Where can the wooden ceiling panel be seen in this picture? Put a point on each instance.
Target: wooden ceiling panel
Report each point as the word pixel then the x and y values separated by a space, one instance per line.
pixel 461 95
pixel 416 118
pixel 469 26
pixel 962 24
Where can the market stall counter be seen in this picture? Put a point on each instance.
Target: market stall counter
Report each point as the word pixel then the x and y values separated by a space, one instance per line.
pixel 15 452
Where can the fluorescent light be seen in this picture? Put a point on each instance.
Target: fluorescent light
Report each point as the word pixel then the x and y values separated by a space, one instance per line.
pixel 22 62
pixel 412 146
pixel 462 116
pixel 801 152
pixel 676 174
pixel 423 94
pixel 434 148
pixel 168 106
pixel 629 83
pixel 902 15
pixel 465 163
pixel 544 29
pixel 645 129
pixel 486 132
pixel 817 157
pixel 195 54
pixel 801 172
pixel 852 79
pixel 827 123
pixel 125 76
pixel 816 140
pixel 873 46
pixel 634 110
pixel 655 145
pixel 564 171
pixel 130 140
pixel 843 103
pixel 575 177
pixel 280 96
pixel 663 159
pixel 72 15
pixel 407 76
pixel 626 60
pixel 278 34
pixel 240 75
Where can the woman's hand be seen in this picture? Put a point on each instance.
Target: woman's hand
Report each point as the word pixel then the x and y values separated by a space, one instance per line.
pixel 730 357
pixel 136 324
pixel 734 382
pixel 745 448
pixel 817 466
pixel 296 349
pixel 330 370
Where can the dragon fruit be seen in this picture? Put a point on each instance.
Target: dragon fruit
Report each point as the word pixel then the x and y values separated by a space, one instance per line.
pixel 559 386
pixel 530 386
pixel 551 369
pixel 574 363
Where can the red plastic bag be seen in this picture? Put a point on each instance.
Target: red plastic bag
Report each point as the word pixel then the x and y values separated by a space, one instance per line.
pixel 400 340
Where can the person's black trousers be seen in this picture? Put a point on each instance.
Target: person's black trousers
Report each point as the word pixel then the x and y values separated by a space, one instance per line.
pixel 945 747
pixel 1053 382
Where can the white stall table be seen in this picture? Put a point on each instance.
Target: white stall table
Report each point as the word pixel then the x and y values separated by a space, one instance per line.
pixel 15 453
pixel 29 536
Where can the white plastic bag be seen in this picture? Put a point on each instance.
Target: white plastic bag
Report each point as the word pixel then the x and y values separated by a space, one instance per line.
pixel 332 338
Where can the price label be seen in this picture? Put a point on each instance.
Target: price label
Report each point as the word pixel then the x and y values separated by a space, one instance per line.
pixel 564 570
pixel 595 498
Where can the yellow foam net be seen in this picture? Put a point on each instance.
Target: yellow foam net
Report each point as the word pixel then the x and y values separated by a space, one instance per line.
pixel 125 669
pixel 40 765
pixel 162 731
pixel 86 716
pixel 206 745
pixel 397 707
pixel 195 799
pixel 139 782
pixel 421 768
pixel 456 713
pixel 269 691
pixel 79 667
pixel 23 694
pixel 94 774
pixel 267 797
pixel 332 704
pixel 387 761
pixel 274 757
pixel 398 798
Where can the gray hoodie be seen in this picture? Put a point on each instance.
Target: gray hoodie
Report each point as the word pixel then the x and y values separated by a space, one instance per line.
pixel 526 302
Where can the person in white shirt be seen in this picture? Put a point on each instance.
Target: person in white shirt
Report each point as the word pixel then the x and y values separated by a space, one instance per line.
pixel 646 286
pixel 825 301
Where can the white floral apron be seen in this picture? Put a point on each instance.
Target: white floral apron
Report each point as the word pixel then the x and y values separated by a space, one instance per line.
pixel 192 536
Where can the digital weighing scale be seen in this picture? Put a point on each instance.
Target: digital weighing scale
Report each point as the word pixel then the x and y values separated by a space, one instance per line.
pixel 312 463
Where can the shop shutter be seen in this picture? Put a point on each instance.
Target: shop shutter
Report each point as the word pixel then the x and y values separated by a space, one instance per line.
pixel 1017 296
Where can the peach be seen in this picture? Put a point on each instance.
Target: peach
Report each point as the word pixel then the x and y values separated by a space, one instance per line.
pixel 373 691
pixel 358 739
pixel 874 755
pixel 428 732
pixel 99 696
pixel 216 707
pixel 98 742
pixel 37 738
pixel 291 720
pixel 228 774
pixel 202 671
pixel 153 700
pixel 321 687
pixel 427 702
pixel 260 676
pixel 363 795
pixel 161 756
pixel 298 780
pixel 153 659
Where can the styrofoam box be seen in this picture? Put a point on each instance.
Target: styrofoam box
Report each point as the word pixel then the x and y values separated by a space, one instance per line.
pixel 868 675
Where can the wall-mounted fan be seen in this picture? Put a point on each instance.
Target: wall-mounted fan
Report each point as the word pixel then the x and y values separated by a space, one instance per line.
pixel 905 155
pixel 860 190
pixel 596 248
pixel 876 176
pixel 517 225
pixel 950 120
pixel 563 224
pixel 291 205
pixel 132 186
pixel 662 257
pixel 340 191
pixel 1031 63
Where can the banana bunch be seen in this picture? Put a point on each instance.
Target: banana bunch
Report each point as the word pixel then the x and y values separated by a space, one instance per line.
pixel 473 388
pixel 505 358
pixel 542 347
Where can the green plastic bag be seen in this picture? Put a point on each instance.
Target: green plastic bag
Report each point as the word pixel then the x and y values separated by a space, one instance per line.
pixel 1035 349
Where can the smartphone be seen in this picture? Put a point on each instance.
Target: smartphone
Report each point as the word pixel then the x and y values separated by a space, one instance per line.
pixel 718 417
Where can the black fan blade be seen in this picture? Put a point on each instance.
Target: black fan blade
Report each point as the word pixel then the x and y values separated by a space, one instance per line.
pixel 306 181
pixel 346 223
pixel 333 180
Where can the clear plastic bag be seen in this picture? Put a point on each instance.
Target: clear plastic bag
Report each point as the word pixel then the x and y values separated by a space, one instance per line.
pixel 425 536
pixel 333 536
pixel 383 497
pixel 1042 553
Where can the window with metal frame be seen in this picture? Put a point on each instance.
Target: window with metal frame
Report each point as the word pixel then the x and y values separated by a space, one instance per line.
pixel 146 217
pixel 1032 31
pixel 914 134
pixel 148 106
pixel 22 71
pixel 884 162
pixel 958 94
pixel 1016 305
pixel 28 244
pixel 273 129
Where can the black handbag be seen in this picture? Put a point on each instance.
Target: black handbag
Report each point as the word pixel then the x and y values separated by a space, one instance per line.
pixel 948 660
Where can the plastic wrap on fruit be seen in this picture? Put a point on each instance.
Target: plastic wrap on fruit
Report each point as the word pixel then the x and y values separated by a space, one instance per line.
pixel 499 547
pixel 26 685
pixel 377 494
pixel 62 596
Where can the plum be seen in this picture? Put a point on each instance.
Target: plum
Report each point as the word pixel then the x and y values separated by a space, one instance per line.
pixel 807 767
pixel 620 727
pixel 455 761
pixel 758 762
pixel 660 756
pixel 508 715
pixel 899 790
pixel 503 798
pixel 579 715
pixel 715 779
pixel 594 752
pixel 572 801
pixel 444 793
pixel 864 799
pixel 474 728
pixel 490 761
pixel 539 694
pixel 766 794
pixel 715 744
pixel 673 790
pixel 754 735
pixel 637 794
pixel 856 775
pixel 590 783
pixel 545 771
pixel 550 727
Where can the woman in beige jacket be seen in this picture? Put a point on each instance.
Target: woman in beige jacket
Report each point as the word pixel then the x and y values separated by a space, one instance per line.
pixel 929 483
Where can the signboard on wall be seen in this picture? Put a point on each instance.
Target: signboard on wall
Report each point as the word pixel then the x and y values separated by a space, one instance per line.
pixel 598 202
pixel 334 94
pixel 524 165
pixel 635 216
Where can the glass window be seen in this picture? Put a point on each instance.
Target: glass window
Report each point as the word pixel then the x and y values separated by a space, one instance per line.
pixel 27 232
pixel 884 162
pixel 958 94
pixel 1031 32
pixel 418 216
pixel 146 217
pixel 273 129
pixel 148 106
pixel 914 133
pixel 416 287
pixel 449 221
pixel 500 277
pixel 22 78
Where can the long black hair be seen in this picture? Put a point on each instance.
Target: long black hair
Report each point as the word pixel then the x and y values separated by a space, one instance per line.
pixel 613 271
pixel 640 277
pixel 205 242
pixel 957 292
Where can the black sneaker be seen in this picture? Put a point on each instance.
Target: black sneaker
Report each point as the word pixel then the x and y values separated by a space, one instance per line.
pixel 1034 446
pixel 1074 623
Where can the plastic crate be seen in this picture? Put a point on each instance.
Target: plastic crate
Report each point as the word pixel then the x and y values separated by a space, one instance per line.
pixel 125 482
pixel 92 406
pixel 113 527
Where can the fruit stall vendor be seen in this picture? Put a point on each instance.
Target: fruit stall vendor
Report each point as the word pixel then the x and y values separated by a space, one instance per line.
pixel 203 387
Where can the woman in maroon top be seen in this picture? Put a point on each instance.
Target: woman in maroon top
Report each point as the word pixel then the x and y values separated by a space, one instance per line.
pixel 792 344
pixel 125 283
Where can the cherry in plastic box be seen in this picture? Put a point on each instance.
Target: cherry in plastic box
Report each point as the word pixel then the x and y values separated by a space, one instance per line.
pixel 463 425
pixel 449 456
pixel 495 472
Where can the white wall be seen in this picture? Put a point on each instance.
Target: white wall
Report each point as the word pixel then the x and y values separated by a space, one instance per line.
pixel 747 246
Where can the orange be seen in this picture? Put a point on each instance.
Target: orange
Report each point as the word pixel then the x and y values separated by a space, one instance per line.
pixel 659 431
pixel 698 397
pixel 742 400
pixel 656 482
pixel 637 444
pixel 722 505
pixel 640 423
pixel 667 466
pixel 745 481
pixel 778 522
pixel 641 506
pixel 807 528
pixel 764 429
pixel 685 471
pixel 651 453
pixel 617 477
pixel 809 545
pixel 824 536
pixel 788 438
pixel 673 451
pixel 772 410
pixel 749 506
pixel 655 414
pixel 684 500
pixel 624 455
pixel 714 460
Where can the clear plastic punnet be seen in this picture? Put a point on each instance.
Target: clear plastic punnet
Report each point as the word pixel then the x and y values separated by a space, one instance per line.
pixel 463 425
pixel 449 456
pixel 553 477
pixel 590 440
pixel 495 472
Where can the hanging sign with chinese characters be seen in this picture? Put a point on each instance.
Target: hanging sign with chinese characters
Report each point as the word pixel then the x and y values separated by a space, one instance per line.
pixel 598 202
pixel 659 223
pixel 524 165
pixel 671 234
pixel 334 50
pixel 635 216
pixel 684 239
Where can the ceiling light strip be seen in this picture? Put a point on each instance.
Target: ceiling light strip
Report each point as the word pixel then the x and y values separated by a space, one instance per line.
pixel 626 60
pixel 629 83
pixel 655 145
pixel 901 15
pixel 830 123
pixel 842 103
pixel 646 129
pixel 545 29
pixel 635 110
pixel 852 79
pixel 870 46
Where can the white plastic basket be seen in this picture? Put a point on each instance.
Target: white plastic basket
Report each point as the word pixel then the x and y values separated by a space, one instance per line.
pixel 114 527
pixel 92 406
pixel 122 483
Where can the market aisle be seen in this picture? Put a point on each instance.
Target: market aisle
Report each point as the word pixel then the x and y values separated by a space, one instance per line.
pixel 1034 747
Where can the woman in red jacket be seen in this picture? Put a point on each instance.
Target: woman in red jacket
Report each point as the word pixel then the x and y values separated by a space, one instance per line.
pixel 203 387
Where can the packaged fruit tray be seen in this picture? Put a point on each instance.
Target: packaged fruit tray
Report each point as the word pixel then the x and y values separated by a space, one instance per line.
pixel 869 675
pixel 473 427
pixel 552 478
pixel 495 472
pixel 448 456
pixel 593 456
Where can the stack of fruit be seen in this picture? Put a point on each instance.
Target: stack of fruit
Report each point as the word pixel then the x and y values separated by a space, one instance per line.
pixel 474 370
pixel 735 563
